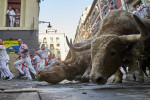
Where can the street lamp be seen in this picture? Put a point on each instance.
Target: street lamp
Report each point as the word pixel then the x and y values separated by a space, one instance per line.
pixel 49 25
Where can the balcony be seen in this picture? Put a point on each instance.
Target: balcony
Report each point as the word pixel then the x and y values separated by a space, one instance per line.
pixel 104 7
pixel 52 48
pixel 12 20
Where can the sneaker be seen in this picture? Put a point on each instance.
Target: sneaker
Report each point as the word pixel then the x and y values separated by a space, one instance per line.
pixel 10 78
pixel 30 79
pixel 5 78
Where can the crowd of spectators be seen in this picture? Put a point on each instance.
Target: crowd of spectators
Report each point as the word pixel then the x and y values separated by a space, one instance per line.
pixel 140 10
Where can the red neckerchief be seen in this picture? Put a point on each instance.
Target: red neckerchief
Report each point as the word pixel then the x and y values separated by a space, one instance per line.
pixel 1 44
pixel 43 49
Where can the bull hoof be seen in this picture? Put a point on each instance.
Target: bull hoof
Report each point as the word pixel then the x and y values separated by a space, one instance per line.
pixel 85 79
pixel 130 77
pixel 78 78
pixel 117 80
pixel 139 78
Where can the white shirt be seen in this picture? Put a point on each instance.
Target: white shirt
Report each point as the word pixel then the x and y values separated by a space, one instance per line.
pixel 140 12
pixel 3 53
pixel 136 12
pixel 43 53
pixel 53 61
pixel 36 59
pixel 11 12
pixel 22 48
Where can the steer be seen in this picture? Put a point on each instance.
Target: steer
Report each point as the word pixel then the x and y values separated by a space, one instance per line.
pixel 117 40
pixel 74 65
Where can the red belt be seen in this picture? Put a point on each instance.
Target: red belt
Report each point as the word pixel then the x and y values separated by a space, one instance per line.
pixel 25 56
pixel 45 61
pixel 24 66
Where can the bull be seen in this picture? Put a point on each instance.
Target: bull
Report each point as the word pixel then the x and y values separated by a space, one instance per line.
pixel 75 64
pixel 119 38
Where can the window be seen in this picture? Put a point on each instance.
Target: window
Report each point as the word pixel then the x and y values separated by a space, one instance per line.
pixel 44 40
pixel 113 5
pixel 46 46
pixel 51 39
pixel 58 54
pixel 13 13
pixel 52 46
pixel 57 39
pixel 58 45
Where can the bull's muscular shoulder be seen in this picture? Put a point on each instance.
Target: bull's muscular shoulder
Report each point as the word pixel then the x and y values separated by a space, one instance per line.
pixel 119 22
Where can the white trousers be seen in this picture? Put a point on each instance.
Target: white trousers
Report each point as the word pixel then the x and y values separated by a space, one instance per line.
pixel 4 68
pixel 27 73
pixel 42 63
pixel 12 21
pixel 25 69
pixel 27 61
pixel 36 66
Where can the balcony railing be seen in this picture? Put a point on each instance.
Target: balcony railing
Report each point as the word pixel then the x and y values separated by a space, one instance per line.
pixel 12 20
pixel 52 48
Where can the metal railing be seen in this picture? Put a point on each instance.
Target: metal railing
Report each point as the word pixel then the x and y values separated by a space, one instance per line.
pixel 12 20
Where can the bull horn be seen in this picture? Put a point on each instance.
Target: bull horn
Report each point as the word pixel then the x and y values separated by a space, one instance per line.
pixel 142 27
pixel 73 56
pixel 130 38
pixel 78 49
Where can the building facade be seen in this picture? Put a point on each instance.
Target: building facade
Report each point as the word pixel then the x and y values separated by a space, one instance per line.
pixel 133 3
pixel 54 41
pixel 80 28
pixel 97 12
pixel 21 22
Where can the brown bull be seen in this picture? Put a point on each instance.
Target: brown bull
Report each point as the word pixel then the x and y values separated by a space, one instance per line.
pixel 114 42
pixel 74 65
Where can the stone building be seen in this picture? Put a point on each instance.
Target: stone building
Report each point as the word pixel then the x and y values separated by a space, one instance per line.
pixel 130 4
pixel 25 21
pixel 96 13
pixel 54 41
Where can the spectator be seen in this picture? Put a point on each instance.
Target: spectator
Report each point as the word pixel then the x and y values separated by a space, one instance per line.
pixel 25 58
pixel 11 14
pixel 134 11
pixel 43 52
pixel 17 18
pixel 140 11
pixel 53 59
pixel 4 61
pixel 36 60
pixel 144 9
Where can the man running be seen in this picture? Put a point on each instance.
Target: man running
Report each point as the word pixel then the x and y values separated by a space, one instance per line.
pixel 43 52
pixel 4 60
pixel 25 58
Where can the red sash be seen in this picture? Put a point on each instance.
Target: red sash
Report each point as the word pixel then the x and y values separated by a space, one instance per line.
pixel 23 65
pixel 45 61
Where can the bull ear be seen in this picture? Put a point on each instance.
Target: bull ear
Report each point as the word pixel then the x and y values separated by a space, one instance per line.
pixel 78 49
pixel 142 28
